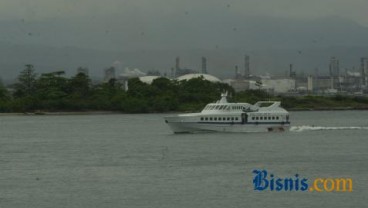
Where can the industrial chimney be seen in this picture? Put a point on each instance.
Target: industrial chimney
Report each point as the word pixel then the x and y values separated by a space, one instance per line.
pixel 246 67
pixel 204 65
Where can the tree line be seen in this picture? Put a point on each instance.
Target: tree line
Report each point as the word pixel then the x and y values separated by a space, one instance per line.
pixel 53 91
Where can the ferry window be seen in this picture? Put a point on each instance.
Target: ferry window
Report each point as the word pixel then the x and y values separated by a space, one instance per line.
pixel 228 118
pixel 201 118
pixel 261 118
pixel 232 118
pixel 236 118
pixel 277 118
pixel 215 118
pixel 252 118
pixel 273 117
pixel 220 118
pixel 210 118
pixel 269 118
pixel 206 119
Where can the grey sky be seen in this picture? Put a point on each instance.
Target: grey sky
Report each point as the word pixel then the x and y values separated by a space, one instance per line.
pixel 151 33
pixel 41 9
pixel 163 24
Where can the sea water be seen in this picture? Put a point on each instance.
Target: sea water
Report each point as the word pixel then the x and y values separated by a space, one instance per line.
pixel 125 160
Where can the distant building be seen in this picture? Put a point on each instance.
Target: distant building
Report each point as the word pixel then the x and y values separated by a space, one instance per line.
pixel 148 79
pixel 364 71
pixel 238 76
pixel 279 85
pixel 292 73
pixel 197 75
pixel 334 67
pixel 238 84
pixel 246 66
pixel 310 84
pixel 352 82
pixel 182 71
pixel 321 84
pixel 153 73
pixel 204 65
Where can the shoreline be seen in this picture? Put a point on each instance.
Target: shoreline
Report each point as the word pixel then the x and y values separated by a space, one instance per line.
pixel 66 113
pixel 61 113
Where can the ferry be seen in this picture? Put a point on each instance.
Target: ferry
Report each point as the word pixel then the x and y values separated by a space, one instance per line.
pixel 222 116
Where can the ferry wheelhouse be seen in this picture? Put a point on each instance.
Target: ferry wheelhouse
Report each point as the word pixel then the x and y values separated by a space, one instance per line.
pixel 222 116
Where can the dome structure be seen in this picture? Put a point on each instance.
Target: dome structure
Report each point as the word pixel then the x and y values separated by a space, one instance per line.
pixel 205 77
pixel 148 79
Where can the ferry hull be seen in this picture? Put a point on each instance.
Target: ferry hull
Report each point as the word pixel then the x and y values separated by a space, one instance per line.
pixel 197 127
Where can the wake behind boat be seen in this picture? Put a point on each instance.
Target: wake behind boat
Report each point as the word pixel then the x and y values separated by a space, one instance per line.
pixel 222 116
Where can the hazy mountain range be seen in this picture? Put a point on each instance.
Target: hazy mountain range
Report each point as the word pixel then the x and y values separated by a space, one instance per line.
pixel 272 43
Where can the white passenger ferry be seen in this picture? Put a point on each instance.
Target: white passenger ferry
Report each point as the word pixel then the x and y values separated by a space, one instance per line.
pixel 222 116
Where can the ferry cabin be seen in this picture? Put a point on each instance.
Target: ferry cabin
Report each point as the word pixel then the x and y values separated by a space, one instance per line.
pixel 242 113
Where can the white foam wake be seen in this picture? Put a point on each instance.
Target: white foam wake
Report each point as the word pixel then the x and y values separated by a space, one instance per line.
pixel 320 128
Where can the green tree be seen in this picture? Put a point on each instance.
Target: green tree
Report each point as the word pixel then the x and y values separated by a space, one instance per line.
pixel 79 86
pixel 51 90
pixel 4 98
pixel 26 85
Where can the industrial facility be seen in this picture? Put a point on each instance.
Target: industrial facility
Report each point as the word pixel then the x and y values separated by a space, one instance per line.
pixel 334 80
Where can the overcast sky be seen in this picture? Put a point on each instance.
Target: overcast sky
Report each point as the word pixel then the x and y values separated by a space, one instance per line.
pixel 41 9
pixel 162 24
pixel 174 25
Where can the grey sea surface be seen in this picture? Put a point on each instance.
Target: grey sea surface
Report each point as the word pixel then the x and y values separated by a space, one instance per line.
pixel 125 160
